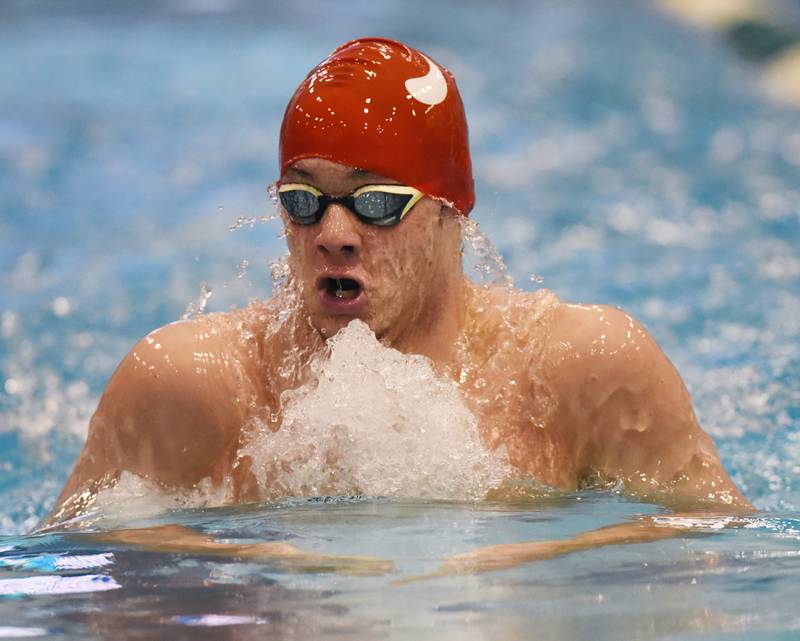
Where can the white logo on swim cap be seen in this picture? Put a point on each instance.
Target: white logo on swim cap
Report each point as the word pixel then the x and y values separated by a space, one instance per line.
pixel 430 89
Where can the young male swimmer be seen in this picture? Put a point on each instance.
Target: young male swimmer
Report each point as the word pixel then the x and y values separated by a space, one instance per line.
pixel 375 178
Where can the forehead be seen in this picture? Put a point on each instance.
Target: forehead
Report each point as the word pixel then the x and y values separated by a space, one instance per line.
pixel 319 170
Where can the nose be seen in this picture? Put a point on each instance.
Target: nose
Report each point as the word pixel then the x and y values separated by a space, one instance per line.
pixel 338 237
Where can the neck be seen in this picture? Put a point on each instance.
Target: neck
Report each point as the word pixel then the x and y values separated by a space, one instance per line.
pixel 440 322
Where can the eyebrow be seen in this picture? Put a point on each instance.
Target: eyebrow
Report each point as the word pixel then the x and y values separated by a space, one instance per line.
pixel 302 173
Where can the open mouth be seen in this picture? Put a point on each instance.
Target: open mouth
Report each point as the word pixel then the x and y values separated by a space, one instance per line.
pixel 342 288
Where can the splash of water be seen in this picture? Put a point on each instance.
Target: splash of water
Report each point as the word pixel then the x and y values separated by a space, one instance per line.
pixel 244 264
pixel 483 264
pixel 373 421
pixel 119 502
pixel 196 307
pixel 250 222
pixel 133 497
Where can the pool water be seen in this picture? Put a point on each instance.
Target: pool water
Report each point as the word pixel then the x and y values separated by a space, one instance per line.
pixel 620 157
pixel 722 585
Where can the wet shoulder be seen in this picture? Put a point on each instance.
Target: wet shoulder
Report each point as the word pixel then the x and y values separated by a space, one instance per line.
pixel 224 347
pixel 533 310
pixel 522 315
pixel 595 330
pixel 173 409
pixel 600 348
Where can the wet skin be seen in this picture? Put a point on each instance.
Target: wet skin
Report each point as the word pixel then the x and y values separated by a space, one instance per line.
pixel 575 392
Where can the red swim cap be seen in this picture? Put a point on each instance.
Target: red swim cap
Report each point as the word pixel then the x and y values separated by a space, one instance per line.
pixel 379 105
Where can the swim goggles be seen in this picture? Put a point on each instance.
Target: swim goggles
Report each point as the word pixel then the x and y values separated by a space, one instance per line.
pixel 382 205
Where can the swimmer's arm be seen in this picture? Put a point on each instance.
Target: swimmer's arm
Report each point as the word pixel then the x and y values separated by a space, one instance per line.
pixel 170 413
pixel 645 529
pixel 632 415
pixel 176 539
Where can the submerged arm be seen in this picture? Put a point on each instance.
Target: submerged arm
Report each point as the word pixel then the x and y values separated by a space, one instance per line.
pixel 645 529
pixel 176 539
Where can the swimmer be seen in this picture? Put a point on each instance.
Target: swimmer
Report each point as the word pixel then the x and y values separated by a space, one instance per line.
pixel 375 182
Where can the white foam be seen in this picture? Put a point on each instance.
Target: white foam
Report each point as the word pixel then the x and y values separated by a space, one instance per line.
pixel 374 421
pixel 133 497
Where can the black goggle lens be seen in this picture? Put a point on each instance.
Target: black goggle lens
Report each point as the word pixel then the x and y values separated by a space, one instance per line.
pixel 302 206
pixel 381 207
pixel 375 207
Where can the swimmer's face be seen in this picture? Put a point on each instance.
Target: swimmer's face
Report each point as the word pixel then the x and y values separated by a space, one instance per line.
pixel 389 277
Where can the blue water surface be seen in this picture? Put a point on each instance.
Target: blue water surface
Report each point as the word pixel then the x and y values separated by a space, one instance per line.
pixel 620 156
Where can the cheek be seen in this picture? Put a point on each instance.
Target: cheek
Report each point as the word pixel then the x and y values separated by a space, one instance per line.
pixel 405 262
pixel 419 250
pixel 297 243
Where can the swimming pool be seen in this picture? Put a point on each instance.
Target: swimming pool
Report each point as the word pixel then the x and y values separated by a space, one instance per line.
pixel 620 158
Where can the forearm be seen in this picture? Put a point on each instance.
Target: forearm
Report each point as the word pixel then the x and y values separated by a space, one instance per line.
pixel 177 539
pixel 645 529
pixel 498 557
